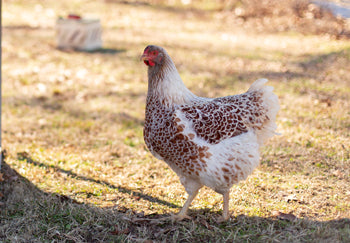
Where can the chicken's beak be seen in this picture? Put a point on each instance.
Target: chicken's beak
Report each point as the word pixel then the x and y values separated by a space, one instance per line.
pixel 144 57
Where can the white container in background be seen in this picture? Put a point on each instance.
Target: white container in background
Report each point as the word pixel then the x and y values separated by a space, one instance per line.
pixel 78 33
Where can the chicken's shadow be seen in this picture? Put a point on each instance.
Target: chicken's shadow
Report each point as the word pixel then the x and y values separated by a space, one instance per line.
pixel 26 157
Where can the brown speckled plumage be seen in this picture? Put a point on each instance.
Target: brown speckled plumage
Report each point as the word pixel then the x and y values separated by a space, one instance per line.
pixel 226 117
pixel 211 142
pixel 164 137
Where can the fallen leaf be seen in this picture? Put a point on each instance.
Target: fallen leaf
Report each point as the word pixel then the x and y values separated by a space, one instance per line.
pixel 120 232
pixel 64 198
pixel 206 224
pixel 284 216
pixel 1 177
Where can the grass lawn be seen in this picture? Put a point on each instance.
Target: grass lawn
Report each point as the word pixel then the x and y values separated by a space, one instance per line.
pixel 72 129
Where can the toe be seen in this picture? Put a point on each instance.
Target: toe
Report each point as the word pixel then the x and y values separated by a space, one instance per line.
pixel 222 219
pixel 179 217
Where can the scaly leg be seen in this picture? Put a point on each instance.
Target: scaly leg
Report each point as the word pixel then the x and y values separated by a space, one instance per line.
pixel 183 212
pixel 225 213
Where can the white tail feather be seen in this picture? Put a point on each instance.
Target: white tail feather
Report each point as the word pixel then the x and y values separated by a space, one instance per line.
pixel 258 84
pixel 270 101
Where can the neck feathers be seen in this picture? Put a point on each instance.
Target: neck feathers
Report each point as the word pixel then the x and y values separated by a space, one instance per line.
pixel 165 83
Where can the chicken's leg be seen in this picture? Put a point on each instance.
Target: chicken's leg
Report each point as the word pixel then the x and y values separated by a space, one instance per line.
pixel 183 212
pixel 225 212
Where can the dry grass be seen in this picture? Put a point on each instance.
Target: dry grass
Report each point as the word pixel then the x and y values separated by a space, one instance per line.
pixel 270 16
pixel 72 128
pixel 290 15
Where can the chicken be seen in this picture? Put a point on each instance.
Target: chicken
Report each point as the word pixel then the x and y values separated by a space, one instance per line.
pixel 211 142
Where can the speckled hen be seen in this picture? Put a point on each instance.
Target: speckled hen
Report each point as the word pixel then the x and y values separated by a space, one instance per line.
pixel 211 142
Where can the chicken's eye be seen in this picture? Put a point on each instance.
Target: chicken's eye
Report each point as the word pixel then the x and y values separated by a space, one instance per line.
pixel 154 53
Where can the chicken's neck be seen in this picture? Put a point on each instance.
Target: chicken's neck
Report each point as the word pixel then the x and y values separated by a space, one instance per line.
pixel 165 84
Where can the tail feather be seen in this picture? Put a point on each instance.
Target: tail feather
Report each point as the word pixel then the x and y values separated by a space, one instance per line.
pixel 270 101
pixel 258 84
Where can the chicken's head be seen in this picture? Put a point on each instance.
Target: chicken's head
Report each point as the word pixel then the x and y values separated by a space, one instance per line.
pixel 152 55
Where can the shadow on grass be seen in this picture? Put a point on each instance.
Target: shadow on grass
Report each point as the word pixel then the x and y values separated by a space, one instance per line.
pixel 318 63
pixel 23 27
pixel 24 156
pixel 110 51
pixel 165 7
pixel 55 103
pixel 28 214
